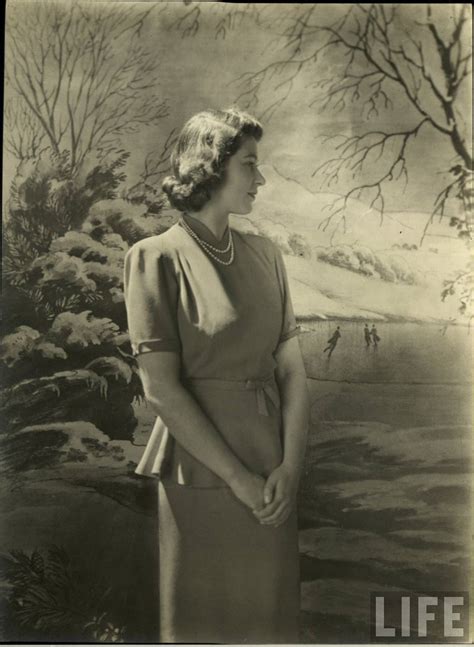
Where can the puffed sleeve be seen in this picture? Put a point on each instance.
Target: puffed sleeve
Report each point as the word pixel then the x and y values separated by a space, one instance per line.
pixel 288 326
pixel 151 298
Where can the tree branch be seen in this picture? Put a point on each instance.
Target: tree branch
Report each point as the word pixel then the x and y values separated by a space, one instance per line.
pixel 83 72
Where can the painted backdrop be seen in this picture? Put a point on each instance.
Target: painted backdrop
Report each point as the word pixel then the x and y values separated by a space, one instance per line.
pixel 366 152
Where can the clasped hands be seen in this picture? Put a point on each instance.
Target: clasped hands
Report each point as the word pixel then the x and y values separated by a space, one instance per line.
pixel 271 500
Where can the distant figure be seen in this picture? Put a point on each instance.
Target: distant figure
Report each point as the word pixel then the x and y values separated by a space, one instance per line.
pixel 332 342
pixel 368 339
pixel 374 335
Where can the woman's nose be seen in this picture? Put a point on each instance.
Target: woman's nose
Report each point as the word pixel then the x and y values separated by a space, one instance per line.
pixel 260 179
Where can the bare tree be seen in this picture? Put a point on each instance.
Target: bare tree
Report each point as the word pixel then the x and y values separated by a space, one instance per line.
pixel 157 163
pixel 82 73
pixel 187 18
pixel 416 56
pixel 23 135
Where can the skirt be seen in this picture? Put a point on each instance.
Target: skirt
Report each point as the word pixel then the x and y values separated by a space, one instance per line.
pixel 224 577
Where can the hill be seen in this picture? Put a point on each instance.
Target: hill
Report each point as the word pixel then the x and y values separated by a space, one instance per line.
pixel 320 290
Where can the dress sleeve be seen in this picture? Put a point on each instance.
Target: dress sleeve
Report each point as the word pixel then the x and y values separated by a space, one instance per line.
pixel 151 298
pixel 288 326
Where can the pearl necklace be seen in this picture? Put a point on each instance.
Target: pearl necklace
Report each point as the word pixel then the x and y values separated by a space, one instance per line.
pixel 207 246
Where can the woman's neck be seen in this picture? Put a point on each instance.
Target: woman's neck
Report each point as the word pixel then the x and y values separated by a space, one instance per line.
pixel 215 222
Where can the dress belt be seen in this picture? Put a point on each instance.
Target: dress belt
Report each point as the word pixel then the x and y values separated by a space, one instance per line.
pixel 263 385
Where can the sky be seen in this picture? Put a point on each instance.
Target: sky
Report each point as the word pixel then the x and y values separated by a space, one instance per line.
pixel 200 71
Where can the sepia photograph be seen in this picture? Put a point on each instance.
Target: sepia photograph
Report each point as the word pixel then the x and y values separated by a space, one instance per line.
pixel 237 326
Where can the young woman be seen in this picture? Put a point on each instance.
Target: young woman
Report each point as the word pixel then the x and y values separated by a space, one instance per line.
pixel 212 326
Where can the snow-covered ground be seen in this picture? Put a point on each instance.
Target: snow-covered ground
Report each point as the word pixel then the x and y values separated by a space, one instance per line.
pixel 321 290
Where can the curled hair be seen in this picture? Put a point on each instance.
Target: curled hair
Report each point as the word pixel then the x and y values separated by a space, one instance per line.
pixel 198 161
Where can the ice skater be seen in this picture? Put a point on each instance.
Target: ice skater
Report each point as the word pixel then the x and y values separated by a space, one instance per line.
pixel 332 342
pixel 374 335
pixel 368 339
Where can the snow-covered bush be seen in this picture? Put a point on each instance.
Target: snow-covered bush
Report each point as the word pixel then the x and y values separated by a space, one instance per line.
pixel 363 260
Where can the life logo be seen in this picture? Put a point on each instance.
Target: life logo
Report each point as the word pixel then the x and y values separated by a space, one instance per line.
pixel 439 616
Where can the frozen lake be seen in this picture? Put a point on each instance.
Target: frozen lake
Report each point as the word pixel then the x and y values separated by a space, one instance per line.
pixel 406 353
pixel 385 498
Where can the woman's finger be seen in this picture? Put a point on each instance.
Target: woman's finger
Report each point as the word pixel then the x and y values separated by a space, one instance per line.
pixel 284 518
pixel 267 510
pixel 283 514
pixel 277 514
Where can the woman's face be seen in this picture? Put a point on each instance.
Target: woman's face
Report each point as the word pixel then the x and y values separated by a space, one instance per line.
pixel 242 181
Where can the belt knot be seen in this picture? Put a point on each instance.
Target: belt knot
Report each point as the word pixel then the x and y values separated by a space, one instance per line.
pixel 264 386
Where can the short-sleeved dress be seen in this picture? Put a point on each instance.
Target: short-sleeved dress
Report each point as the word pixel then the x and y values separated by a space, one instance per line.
pixel 224 577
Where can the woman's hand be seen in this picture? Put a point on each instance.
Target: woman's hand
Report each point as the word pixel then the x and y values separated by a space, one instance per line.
pixel 279 496
pixel 248 488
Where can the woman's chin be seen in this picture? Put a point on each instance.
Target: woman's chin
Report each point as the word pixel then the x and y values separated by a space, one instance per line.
pixel 247 210
pixel 244 208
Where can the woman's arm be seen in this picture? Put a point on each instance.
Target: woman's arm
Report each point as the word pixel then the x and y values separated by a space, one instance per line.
pixel 282 484
pixel 295 404
pixel 186 421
